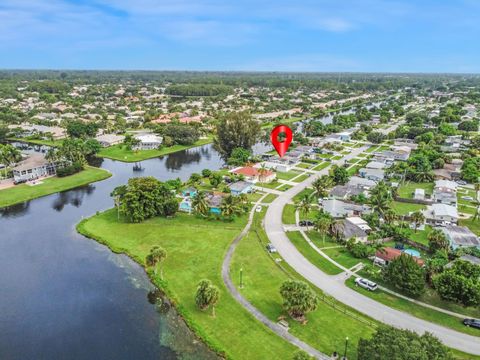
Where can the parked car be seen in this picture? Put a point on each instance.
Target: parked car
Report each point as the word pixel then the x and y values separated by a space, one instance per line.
pixel 467 198
pixel 271 249
pixel 305 223
pixel 366 284
pixel 461 182
pixel 258 209
pixel 472 323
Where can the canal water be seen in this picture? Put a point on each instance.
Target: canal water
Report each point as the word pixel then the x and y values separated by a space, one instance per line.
pixel 65 296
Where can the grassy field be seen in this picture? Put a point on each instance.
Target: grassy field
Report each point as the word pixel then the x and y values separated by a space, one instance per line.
pixel 407 189
pixel 421 236
pixel 24 192
pixel 415 309
pixel 343 257
pixel 262 278
pixel 269 198
pixel 322 166
pixel 404 208
pixel 121 153
pixel 288 215
pixel 301 178
pixel 195 248
pixel 311 255
pixel 287 175
pixel 306 191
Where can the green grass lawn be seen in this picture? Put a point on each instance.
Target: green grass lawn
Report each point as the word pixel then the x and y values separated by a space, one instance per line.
pixel 288 215
pixel 269 198
pixel 311 255
pixel 404 208
pixel 262 278
pixel 287 175
pixel 338 157
pixel 319 241
pixel 195 250
pixel 415 309
pixel 343 257
pixel 321 166
pixel 304 165
pixel 306 191
pixel 254 197
pixel 271 185
pixel 24 192
pixel 301 178
pixel 407 189
pixel 121 153
pixel 284 187
pixel 421 236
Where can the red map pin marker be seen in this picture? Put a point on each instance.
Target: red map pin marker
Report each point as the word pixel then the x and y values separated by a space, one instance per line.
pixel 281 146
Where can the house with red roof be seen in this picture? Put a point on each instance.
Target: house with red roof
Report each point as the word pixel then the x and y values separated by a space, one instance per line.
pixel 254 175
pixel 385 255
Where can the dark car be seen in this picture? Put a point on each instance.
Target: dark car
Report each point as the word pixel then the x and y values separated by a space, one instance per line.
pixel 302 223
pixel 472 323
pixel 271 249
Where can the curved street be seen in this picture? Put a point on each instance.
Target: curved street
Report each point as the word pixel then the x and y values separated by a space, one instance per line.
pixel 277 236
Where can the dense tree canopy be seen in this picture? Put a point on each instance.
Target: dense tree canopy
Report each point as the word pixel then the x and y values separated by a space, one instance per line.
pixel 395 344
pixel 146 197
pixel 406 275
pixel 236 130
pixel 460 283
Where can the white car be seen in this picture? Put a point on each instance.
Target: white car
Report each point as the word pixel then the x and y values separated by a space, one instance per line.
pixel 258 209
pixel 366 284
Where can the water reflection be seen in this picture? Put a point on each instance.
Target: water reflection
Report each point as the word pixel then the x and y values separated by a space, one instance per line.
pixel 176 161
pixel 15 210
pixel 72 197
pixel 73 298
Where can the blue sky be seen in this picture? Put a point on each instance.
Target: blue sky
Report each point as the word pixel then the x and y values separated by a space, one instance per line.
pixel 277 35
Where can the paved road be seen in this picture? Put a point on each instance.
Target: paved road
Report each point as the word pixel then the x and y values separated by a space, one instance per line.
pixel 279 330
pixel 374 309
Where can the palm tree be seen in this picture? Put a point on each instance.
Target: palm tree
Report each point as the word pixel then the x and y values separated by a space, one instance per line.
pixel 389 216
pixel 336 230
pixel 229 206
pixel 321 184
pixel 418 219
pixel 157 256
pixel 9 155
pixel 304 206
pixel 437 241
pixel 380 198
pixel 200 203
pixel 117 195
pixel 322 224
pixel 207 295
pixel 262 171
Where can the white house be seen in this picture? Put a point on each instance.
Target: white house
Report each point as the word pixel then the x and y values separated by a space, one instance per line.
pixel 34 167
pixel 441 214
pixel 109 139
pixel 148 142
pixel 445 192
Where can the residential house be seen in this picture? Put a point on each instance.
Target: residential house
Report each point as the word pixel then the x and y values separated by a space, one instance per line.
pixel 214 200
pixel 460 236
pixel 34 167
pixel 376 165
pixel 148 142
pixel 240 187
pixel 449 171
pixel 343 192
pixel 355 227
pixel 372 174
pixel 441 214
pixel 254 175
pixel 384 256
pixel 469 258
pixel 45 131
pixel 339 209
pixel 445 192
pixel 363 183
pixel 107 140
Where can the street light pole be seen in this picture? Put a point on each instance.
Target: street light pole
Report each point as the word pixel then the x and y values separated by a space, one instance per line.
pixel 345 351
pixel 241 278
